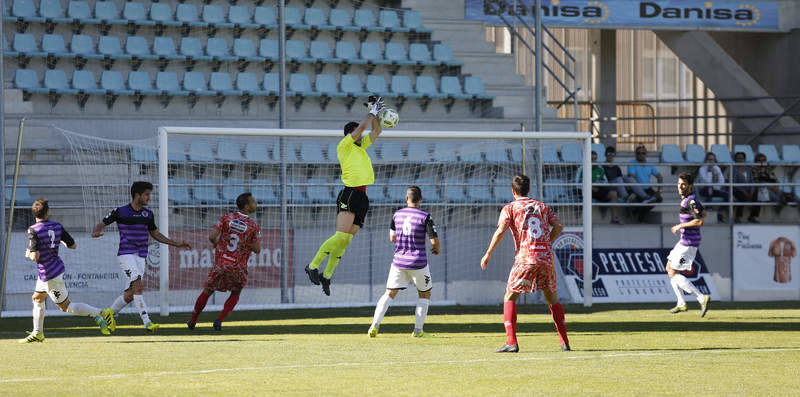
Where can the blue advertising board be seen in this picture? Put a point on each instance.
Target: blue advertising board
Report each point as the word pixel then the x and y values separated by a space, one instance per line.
pixel 645 14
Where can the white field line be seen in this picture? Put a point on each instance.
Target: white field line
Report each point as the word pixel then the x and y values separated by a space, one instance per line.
pixel 408 363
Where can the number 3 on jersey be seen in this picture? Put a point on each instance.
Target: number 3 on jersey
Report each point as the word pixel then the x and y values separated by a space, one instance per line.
pixel 233 242
pixel 534 227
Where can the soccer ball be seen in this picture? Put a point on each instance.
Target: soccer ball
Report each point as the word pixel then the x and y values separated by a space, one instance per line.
pixel 389 118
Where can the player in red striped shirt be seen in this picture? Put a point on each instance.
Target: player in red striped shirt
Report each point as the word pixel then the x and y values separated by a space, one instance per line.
pixel 530 222
pixel 235 237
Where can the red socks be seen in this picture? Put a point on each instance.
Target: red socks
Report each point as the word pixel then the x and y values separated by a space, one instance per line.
pixel 510 321
pixel 199 305
pixel 230 304
pixel 558 318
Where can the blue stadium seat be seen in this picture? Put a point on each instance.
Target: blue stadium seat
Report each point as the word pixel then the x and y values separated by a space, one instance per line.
pixel 229 151
pixel 7 50
pixel 268 49
pixel 555 194
pixel 217 48
pixel 247 83
pixel 176 153
pixel 346 53
pixel 167 83
pixel 205 191
pixel 300 85
pixel 418 152
pixel 112 83
pixel 143 155
pixel 452 88
pixel 178 191
pixel 365 20
pixel 192 48
pixel 396 190
pixel 376 84
pixel 55 80
pixel 195 83
pixel 139 82
pixel 371 53
pixel 748 152
pixel 549 153
pixel 401 86
pixel 222 84
pixel 671 153
pixel 53 45
pixel 340 20
pixel 695 153
pixel 293 19
pixel 790 153
pixel 430 191
pixel 133 12
pixel 78 11
pixel 231 189
pixel 256 152
pixel 23 196
pixel 419 53
pixel 161 13
pixel 413 21
pixel 200 151
pixel 25 10
pixel 388 20
pixel 107 12
pixel 264 191
pixel 28 81
pixel 164 48
pixel 572 153
pixel 240 16
pixel 296 51
pixel 771 152
pixel 186 14
pixel 497 155
pixel 479 190
pixel 396 54
pixel 445 152
pixel 391 151
pixel 443 54
pixel 600 149
pixel 470 153
pixel 311 152
pixel 136 47
pixel 245 49
pixel 319 191
pixel 426 87
pixel 51 11
pixel 271 83
pixel 265 17
pixel 516 154
pixel 315 19
pixel 25 43
pixel 83 47
pixel 473 85
pixel 321 52
pixel 723 153
pixel 331 152
pixel 453 190
pixel 325 85
pixel 351 85
pixel 110 47
pixel 214 16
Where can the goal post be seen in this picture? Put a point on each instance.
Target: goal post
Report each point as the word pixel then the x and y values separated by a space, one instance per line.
pixel 464 176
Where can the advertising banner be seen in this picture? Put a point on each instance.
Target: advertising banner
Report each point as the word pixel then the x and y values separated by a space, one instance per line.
pixel 764 258
pixel 625 274
pixel 649 14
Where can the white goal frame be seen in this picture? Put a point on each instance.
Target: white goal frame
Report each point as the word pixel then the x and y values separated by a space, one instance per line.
pixel 163 179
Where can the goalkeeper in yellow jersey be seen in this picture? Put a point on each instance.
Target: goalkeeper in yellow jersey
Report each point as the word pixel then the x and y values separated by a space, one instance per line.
pixel 352 202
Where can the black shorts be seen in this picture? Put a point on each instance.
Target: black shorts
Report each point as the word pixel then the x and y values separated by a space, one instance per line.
pixel 355 201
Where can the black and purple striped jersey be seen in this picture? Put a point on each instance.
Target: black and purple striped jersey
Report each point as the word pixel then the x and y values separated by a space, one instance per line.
pixel 134 229
pixel 45 237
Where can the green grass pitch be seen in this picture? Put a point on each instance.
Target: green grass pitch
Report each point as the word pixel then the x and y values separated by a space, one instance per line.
pixel 632 349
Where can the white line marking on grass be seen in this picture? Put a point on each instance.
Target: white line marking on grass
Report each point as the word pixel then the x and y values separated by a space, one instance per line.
pixel 410 363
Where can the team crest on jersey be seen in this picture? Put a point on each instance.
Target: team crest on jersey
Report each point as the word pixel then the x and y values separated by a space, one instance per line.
pixel 238 226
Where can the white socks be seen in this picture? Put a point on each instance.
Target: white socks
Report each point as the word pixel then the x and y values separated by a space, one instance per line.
pixel 420 313
pixel 38 317
pixel 119 304
pixel 680 282
pixel 82 309
pixel 138 301
pixel 380 310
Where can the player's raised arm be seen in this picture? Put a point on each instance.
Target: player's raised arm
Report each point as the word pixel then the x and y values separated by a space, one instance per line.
pixel 377 128
pixel 155 234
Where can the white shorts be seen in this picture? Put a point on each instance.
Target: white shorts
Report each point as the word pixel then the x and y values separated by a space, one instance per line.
pixel 133 267
pixel 399 278
pixel 681 257
pixel 54 287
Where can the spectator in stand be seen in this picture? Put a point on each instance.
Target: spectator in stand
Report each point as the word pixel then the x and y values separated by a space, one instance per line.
pixel 744 175
pixel 711 173
pixel 641 171
pixel 599 193
pixel 614 173
pixel 764 173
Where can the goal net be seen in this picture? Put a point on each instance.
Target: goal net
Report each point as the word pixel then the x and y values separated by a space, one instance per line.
pixel 465 178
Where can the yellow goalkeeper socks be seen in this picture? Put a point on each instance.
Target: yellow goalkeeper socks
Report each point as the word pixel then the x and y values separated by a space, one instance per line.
pixel 329 246
pixel 337 253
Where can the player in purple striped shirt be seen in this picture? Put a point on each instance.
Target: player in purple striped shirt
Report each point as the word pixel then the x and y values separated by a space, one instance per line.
pixel 682 256
pixel 44 238
pixel 136 225
pixel 407 231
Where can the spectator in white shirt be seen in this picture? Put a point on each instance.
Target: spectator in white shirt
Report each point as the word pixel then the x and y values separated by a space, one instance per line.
pixel 711 173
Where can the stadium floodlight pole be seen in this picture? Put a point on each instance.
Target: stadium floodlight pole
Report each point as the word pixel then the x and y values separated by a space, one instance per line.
pixel 163 220
pixel 587 222
pixel 11 211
